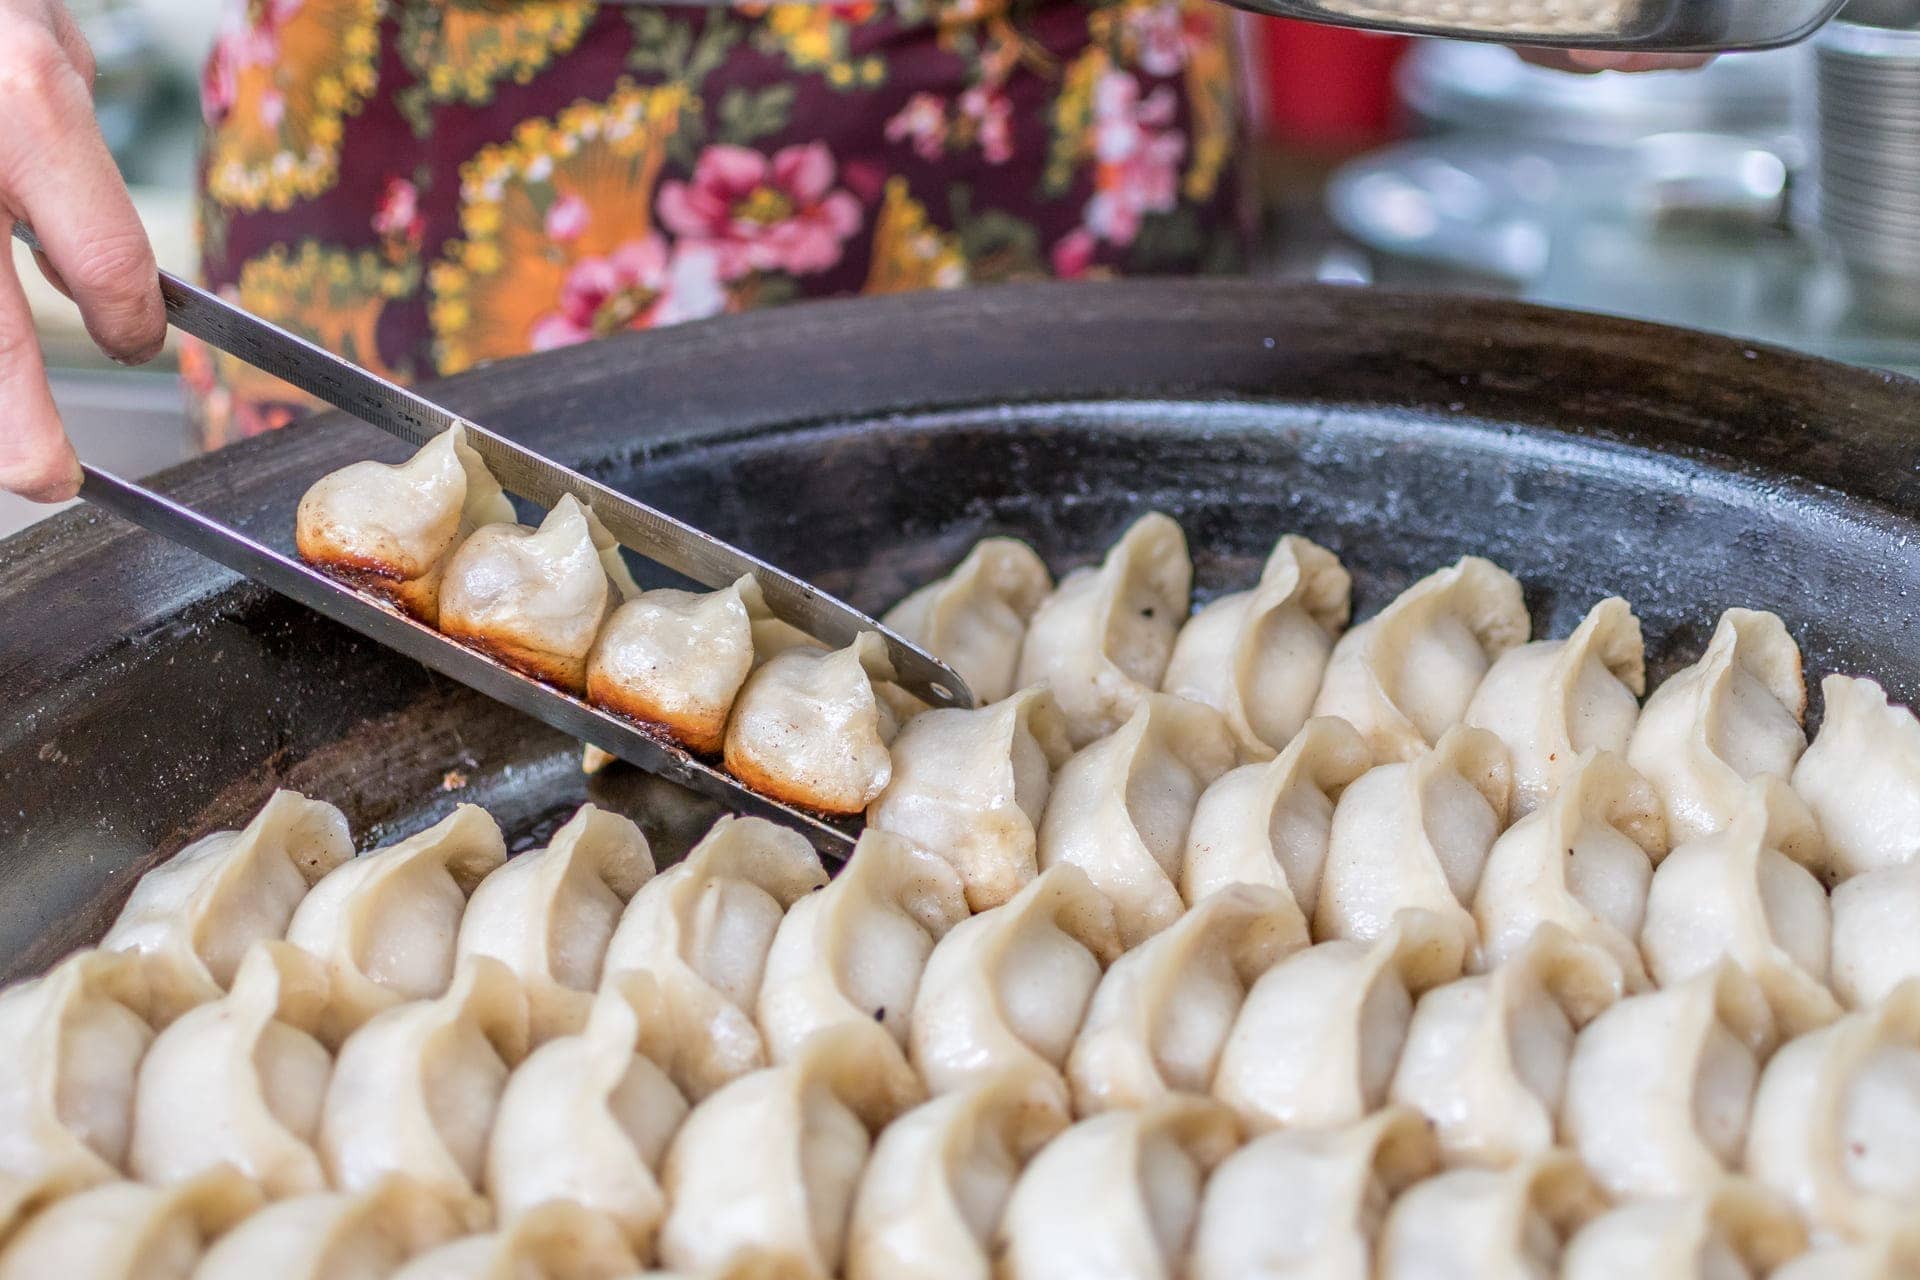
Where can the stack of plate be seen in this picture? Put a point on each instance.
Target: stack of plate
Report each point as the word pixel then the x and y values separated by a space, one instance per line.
pixel 1867 180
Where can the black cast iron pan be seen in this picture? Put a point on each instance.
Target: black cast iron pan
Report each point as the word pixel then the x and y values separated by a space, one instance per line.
pixel 148 697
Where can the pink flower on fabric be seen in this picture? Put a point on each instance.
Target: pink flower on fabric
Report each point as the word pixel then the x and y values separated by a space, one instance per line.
pixel 1073 254
pixel 239 44
pixel 640 285
pixel 1160 34
pixel 398 215
pixel 567 219
pixel 923 122
pixel 760 213
pixel 993 112
pixel 1137 157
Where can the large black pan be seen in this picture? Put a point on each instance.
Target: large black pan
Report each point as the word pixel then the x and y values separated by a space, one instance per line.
pixel 148 697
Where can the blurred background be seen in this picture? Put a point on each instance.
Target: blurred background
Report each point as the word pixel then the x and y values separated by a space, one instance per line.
pixel 1774 196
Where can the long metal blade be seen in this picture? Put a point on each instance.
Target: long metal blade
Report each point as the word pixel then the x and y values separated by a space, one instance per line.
pixel 323 595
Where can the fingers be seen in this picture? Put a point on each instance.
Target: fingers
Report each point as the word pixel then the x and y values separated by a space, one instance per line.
pixel 35 459
pixel 78 51
pixel 1589 61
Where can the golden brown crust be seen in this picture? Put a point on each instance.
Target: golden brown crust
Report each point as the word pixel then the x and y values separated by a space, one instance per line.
pixel 746 771
pixel 418 598
pixel 568 674
pixel 699 734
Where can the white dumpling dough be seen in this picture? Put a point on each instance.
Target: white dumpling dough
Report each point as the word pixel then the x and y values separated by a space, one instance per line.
pixel 390 530
pixel 333 1235
pixel 1121 808
pixel 810 729
pixel 1406 675
pixel 1876 934
pixel 1861 778
pixel 1731 1231
pixel 1507 1224
pixel 1733 716
pixel 1551 700
pixel 975 619
pixel 676 660
pixel 1102 640
pixel 554 1241
pixel 1257 656
pixel 128 1230
pixel 1893 1255
pixel 971 786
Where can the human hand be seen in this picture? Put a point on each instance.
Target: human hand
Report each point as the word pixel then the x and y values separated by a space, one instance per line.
pixel 57 175
pixel 1589 61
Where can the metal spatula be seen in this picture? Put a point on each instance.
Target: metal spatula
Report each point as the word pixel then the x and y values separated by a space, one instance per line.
pixel 1633 26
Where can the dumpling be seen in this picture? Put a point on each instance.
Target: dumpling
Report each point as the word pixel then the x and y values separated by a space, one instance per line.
pixel 77 1036
pixel 762 1176
pixel 1876 934
pixel 1009 987
pixel 239 1081
pixel 1102 640
pixel 128 1231
pixel 1257 656
pixel 1268 823
pixel 1407 675
pixel 192 918
pixel 809 728
pixel 852 955
pixel 1486 1223
pixel 701 930
pixel 1163 1012
pixel 971 786
pixel 1551 700
pixel 931 1198
pixel 548 915
pixel 1583 861
pixel 1121 808
pixel 1861 778
pixel 1659 1086
pixel 333 1235
pixel 389 530
pixel 1309 1202
pixel 1893 1255
pixel 556 1241
pixel 536 598
pixel 1836 1120
pixel 1731 1231
pixel 1117 1196
pixel 975 618
pixel 676 660
pixel 587 1119
pixel 1485 1059
pixel 384 924
pixel 1746 894
pixel 1730 717
pixel 1318 1036
pixel 415 1090
pixel 1414 835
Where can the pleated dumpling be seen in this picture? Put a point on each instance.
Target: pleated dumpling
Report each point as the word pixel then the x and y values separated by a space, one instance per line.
pixel 1414 836
pixel 1861 778
pixel 414 1091
pixel 1010 987
pixel 1121 808
pixel 384 925
pixel 239 1081
pixel 1552 700
pixel 809 727
pixel 971 786
pixel 762 1175
pixel 1892 1255
pixel 1318 1036
pixel 555 1241
pixel 549 914
pixel 1746 894
pixel 1162 1014
pixel 701 930
pixel 1583 861
pixel 333 1235
pixel 536 598
pixel 192 918
pixel 1734 715
pixel 1876 934
pixel 975 619
pixel 1485 1059
pixel 1102 640
pixel 1836 1120
pixel 390 530
pixel 1257 656
pixel 128 1230
pixel 1659 1086
pixel 676 660
pixel 1308 1202
pixel 1729 1231
pixel 1406 675
pixel 1116 1197
pixel 852 955
pixel 587 1118
pixel 1505 1224
pixel 76 1038
pixel 930 1201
